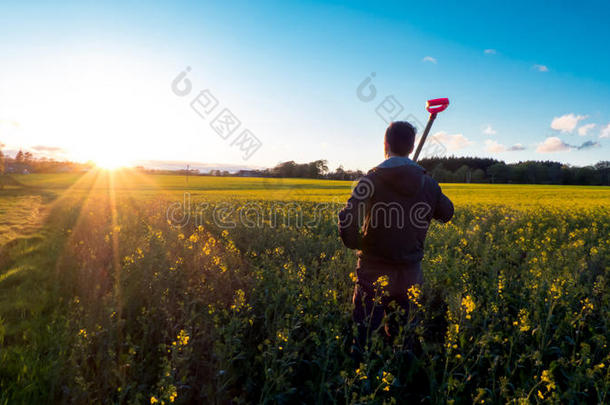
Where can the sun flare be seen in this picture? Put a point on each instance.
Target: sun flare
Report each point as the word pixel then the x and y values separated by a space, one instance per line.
pixel 110 163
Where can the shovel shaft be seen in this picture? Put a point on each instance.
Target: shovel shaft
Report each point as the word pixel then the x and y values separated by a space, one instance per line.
pixel 424 136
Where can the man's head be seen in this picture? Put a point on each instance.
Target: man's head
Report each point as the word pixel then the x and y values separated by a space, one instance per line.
pixel 399 139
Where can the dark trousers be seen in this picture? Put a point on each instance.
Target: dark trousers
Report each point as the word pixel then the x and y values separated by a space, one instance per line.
pixel 372 301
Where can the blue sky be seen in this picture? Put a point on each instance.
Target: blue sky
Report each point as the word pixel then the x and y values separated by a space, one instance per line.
pixel 93 81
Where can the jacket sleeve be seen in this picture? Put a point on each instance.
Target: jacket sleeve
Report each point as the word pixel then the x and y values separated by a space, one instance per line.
pixel 352 215
pixel 444 207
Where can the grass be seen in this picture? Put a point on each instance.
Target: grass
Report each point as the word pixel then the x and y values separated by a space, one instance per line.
pixel 103 300
pixel 30 312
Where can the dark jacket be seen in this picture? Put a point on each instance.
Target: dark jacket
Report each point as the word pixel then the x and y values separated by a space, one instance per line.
pixel 396 201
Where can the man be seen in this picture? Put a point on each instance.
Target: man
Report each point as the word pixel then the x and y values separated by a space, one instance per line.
pixel 396 201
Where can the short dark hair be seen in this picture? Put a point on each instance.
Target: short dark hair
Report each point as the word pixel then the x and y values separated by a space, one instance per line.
pixel 400 137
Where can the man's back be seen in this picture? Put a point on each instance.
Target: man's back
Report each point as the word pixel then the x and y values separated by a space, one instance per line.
pixel 396 201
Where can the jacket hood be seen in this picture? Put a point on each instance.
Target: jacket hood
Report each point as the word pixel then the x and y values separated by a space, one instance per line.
pixel 403 176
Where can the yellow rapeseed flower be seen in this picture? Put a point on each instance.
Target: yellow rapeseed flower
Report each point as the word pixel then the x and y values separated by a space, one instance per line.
pixel 414 293
pixel 182 338
pixel 523 323
pixel 282 336
pixel 587 305
pixel 387 378
pixel 468 305
pixel 239 301
pixel 383 281
pixel 360 372
pixel 556 290
pixel 547 378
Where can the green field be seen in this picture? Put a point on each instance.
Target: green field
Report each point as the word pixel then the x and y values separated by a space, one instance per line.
pixel 106 299
pixel 514 196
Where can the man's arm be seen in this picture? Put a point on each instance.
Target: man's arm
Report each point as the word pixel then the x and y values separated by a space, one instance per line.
pixel 350 217
pixel 444 207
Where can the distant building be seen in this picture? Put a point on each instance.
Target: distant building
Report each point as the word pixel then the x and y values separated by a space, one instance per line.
pixel 17 168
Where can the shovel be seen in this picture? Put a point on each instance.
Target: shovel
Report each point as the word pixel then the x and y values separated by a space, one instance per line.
pixel 434 107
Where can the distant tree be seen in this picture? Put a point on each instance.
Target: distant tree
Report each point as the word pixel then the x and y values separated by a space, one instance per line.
pixel 354 175
pixel 567 175
pixel 519 173
pixel 541 173
pixel 478 176
pixel 462 175
pixel 316 169
pixel 438 169
pixel 603 168
pixel 587 176
pixel 461 169
pixel 443 170
pixel 440 174
pixel 453 163
pixel 527 172
pixel 554 173
pixel 341 174
pixel 338 174
pixel 28 158
pixel 323 166
pixel 284 169
pixel 498 172
pixel 19 157
pixel 2 162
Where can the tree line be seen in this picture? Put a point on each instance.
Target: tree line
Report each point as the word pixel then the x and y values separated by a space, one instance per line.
pixel 483 170
pixel 450 169
pixel 318 169
pixel 26 162
pixel 460 170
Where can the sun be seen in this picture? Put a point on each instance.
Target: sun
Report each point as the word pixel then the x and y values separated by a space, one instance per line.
pixel 104 156
pixel 110 163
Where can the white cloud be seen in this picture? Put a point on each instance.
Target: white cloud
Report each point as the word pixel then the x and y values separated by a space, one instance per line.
pixel 516 147
pixel 452 142
pixel 490 51
pixel 552 144
pixel 582 131
pixel 567 122
pixel 494 147
pixel 540 68
pixel 49 151
pixel 588 145
pixel 11 123
pixel 8 126
pixel 605 132
pixel 429 59
pixel 489 130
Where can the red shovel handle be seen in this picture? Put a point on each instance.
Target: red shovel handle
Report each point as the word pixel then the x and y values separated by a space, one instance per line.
pixel 437 105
